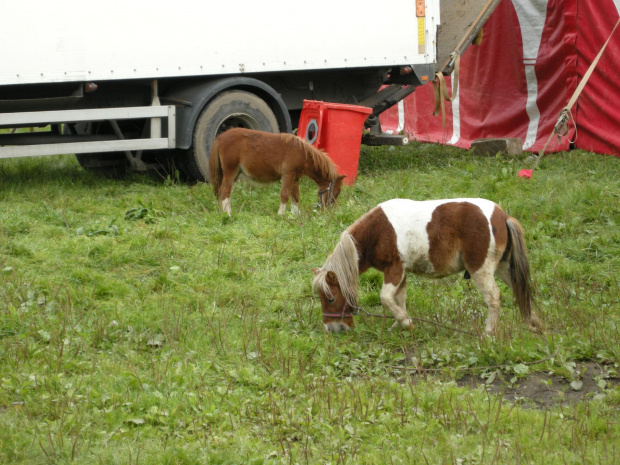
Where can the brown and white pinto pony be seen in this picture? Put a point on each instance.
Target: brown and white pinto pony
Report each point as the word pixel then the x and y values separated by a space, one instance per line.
pixel 433 238
pixel 263 157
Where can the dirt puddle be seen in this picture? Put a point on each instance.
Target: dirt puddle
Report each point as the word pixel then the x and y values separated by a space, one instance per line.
pixel 543 390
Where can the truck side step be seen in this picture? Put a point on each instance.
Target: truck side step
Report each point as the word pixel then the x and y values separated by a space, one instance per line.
pixel 27 145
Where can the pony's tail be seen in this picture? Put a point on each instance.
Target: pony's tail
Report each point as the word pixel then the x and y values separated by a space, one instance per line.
pixel 215 168
pixel 520 275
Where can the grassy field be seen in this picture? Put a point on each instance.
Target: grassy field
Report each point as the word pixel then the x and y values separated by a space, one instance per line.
pixel 138 325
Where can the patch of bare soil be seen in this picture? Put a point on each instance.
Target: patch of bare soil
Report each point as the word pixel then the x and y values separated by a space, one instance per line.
pixel 543 390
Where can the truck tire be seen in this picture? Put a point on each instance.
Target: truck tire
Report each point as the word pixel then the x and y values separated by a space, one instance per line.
pixel 109 164
pixel 230 109
pixel 112 165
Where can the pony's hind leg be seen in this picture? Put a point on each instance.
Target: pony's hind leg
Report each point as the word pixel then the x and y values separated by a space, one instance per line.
pixel 503 273
pixel 225 191
pixel 534 323
pixel 489 289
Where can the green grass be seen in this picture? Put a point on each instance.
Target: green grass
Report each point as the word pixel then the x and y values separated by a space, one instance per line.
pixel 140 325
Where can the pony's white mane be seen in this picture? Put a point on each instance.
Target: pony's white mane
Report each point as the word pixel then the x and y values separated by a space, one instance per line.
pixel 343 261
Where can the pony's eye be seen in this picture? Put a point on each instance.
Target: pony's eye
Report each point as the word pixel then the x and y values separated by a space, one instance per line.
pixel 331 301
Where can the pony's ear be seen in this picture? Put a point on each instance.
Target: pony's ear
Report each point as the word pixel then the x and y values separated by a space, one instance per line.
pixel 331 278
pixel 315 270
pixel 341 177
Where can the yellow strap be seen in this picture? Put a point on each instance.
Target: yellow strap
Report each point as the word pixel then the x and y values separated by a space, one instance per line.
pixel 441 92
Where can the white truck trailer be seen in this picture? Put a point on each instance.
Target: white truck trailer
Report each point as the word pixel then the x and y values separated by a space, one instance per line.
pixel 149 82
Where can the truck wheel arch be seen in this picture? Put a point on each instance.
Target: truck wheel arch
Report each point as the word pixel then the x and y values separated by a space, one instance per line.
pixel 191 99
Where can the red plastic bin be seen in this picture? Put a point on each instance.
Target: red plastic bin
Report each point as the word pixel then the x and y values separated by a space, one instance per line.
pixel 337 129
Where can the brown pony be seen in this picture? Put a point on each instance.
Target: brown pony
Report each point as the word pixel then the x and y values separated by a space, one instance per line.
pixel 263 157
pixel 433 238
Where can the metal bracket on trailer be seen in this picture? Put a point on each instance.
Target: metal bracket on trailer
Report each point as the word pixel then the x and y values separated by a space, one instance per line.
pixel 385 139
pixel 460 24
pixel 86 143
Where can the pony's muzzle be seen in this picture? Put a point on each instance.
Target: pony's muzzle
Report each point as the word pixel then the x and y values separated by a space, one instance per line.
pixel 326 196
pixel 337 326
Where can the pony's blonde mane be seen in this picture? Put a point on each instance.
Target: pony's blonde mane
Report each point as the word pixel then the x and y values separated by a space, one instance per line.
pixel 320 160
pixel 343 261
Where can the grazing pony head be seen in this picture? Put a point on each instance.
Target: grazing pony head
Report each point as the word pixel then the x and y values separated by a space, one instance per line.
pixel 322 170
pixel 336 284
pixel 328 195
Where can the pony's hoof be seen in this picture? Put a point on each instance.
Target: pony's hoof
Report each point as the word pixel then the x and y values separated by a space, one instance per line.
pixel 536 328
pixel 403 324
pixel 489 332
pixel 536 325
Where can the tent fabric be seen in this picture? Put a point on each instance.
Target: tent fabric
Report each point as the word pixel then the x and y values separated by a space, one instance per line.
pixel 517 81
pixel 598 108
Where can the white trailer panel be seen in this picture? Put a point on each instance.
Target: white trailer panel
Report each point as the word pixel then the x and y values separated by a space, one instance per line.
pixel 65 40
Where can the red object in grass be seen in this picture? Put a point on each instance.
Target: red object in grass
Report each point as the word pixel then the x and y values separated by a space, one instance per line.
pixel 336 128
pixel 527 174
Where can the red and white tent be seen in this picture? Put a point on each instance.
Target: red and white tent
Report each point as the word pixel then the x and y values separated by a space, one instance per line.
pixel 517 81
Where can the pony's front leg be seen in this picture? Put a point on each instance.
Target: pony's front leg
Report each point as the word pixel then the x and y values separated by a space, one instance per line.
pixel 295 197
pixel 226 208
pixel 289 187
pixel 393 297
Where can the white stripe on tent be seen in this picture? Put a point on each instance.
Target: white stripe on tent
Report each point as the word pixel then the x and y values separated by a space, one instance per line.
pixel 531 15
pixel 456 117
pixel 531 106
